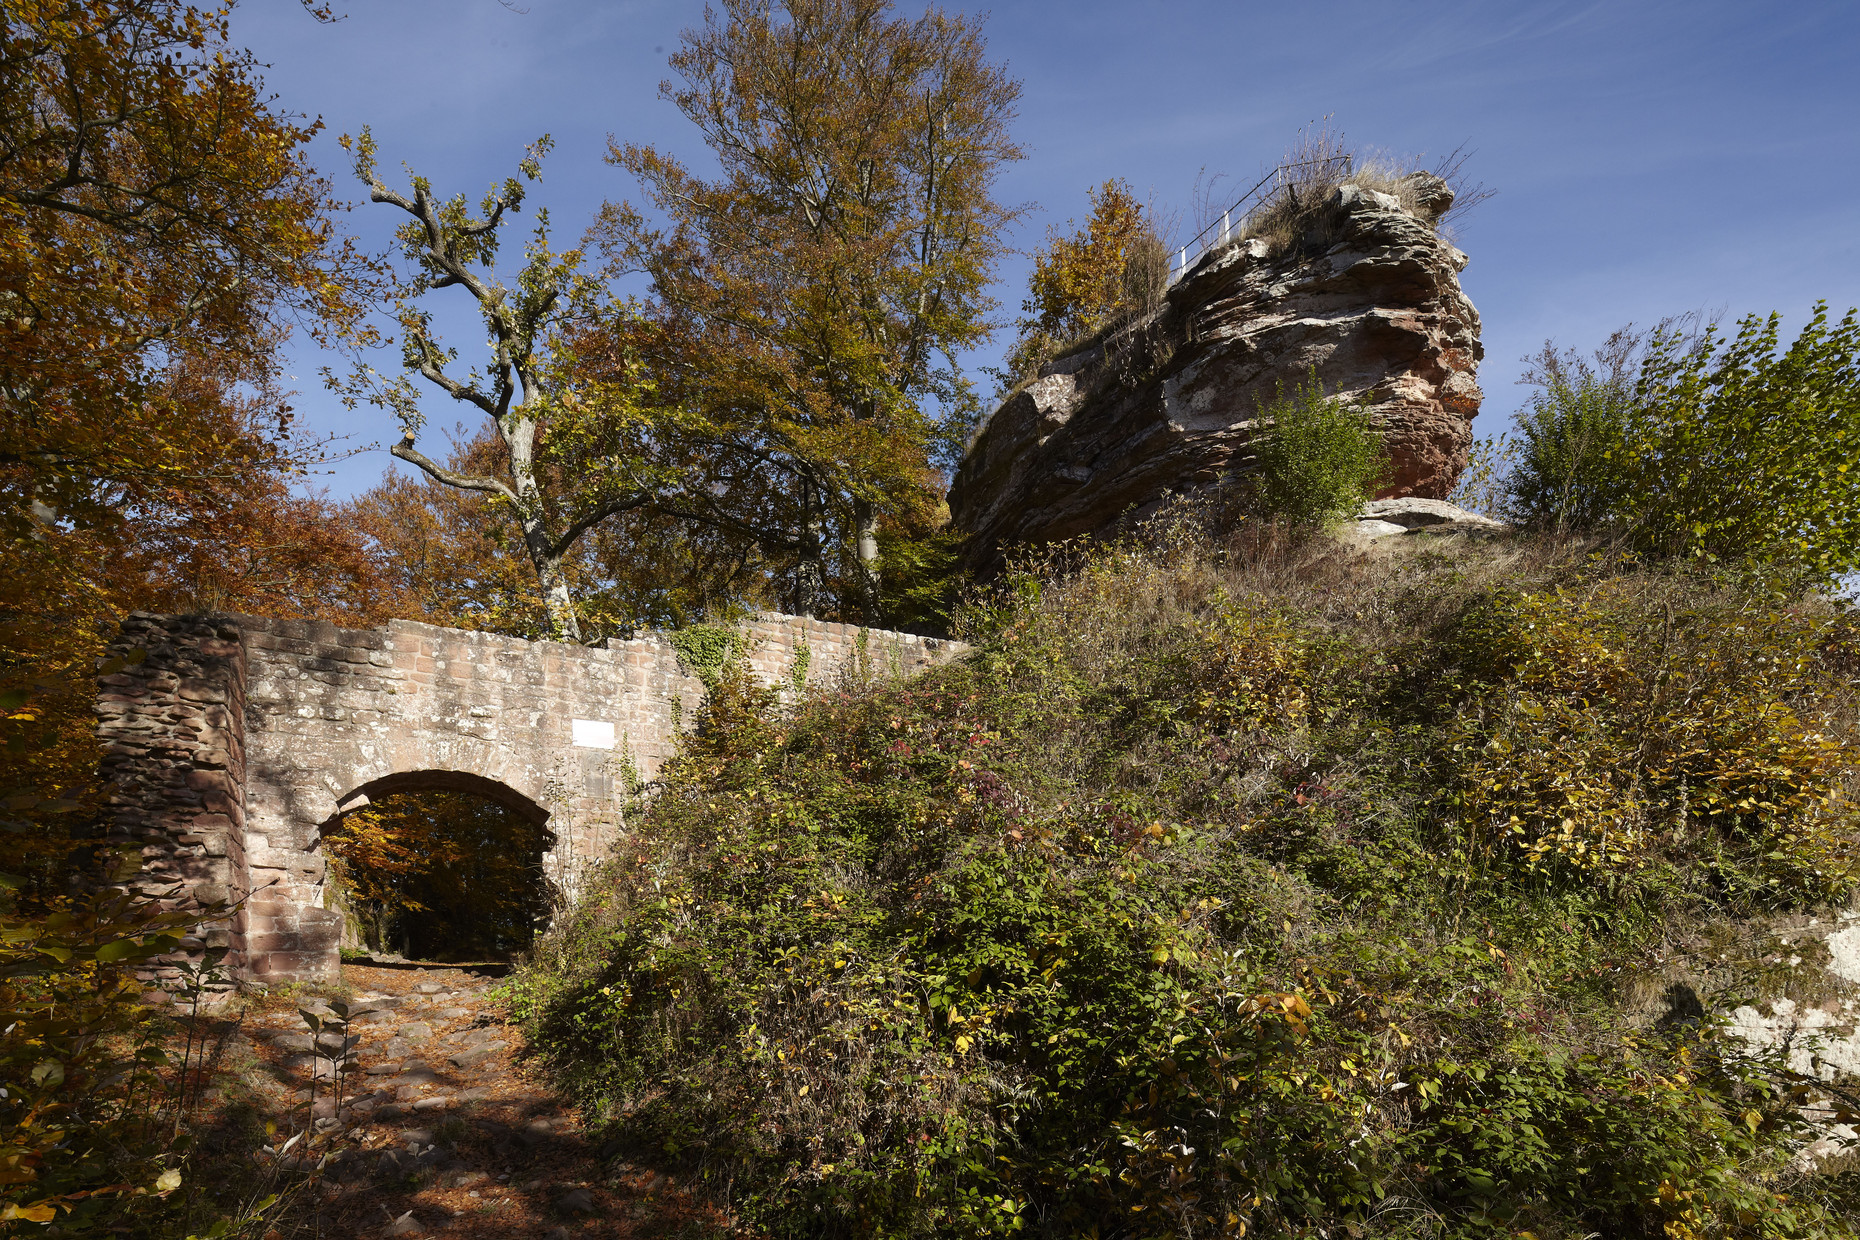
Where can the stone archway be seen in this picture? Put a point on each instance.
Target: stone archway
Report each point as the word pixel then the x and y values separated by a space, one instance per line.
pixel 230 741
pixel 544 887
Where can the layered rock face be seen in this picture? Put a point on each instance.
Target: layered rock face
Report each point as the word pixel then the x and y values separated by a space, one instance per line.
pixel 1369 296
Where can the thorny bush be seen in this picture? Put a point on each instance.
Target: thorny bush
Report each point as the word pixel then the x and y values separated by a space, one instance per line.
pixel 1233 885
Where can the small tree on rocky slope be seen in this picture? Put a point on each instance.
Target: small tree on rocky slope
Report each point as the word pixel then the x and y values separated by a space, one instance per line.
pixel 1694 443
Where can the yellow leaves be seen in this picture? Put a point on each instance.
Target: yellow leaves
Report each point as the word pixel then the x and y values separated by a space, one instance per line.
pixel 1622 728
pixel 1252 672
pixel 1079 282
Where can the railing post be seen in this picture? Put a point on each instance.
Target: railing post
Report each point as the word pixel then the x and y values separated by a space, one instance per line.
pixel 1225 228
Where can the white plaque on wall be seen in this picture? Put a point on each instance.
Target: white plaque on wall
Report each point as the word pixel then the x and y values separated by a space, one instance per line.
pixel 593 734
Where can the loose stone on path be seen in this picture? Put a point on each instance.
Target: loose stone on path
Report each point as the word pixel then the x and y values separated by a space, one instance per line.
pixel 453 1138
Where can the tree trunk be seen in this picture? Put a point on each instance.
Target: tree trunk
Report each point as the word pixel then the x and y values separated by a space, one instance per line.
pixel 865 521
pixel 520 439
pixel 556 597
pixel 810 578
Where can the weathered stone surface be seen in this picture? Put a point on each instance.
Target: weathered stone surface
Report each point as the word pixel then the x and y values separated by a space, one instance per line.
pixel 1371 299
pixel 471 1055
pixel 1819 1031
pixel 1413 512
pixel 1393 518
pixel 232 743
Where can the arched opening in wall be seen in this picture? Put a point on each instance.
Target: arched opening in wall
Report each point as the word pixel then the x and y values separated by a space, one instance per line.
pixel 441 866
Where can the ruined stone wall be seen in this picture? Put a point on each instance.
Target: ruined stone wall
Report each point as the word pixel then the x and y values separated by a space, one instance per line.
pixel 171 716
pixel 236 742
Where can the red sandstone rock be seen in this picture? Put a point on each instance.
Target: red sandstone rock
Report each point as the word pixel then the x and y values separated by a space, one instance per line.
pixel 1371 299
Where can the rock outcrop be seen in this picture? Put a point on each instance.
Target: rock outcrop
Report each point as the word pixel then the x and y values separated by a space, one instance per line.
pixel 1381 518
pixel 1369 295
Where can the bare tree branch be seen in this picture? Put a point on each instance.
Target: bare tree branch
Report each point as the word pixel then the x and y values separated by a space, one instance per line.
pixel 465 482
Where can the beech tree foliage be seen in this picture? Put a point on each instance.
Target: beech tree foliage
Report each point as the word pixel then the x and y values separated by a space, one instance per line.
pixel 156 211
pixel 161 232
pixel 811 298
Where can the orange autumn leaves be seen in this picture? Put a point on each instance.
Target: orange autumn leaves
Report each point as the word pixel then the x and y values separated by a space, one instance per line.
pixel 443 874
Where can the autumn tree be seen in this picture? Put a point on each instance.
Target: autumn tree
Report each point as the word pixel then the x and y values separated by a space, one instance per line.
pixel 1113 267
pixel 449 556
pixel 155 210
pixel 561 467
pixel 161 232
pixel 811 299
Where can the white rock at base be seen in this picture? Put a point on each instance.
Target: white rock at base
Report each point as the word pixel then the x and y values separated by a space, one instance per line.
pixel 1412 512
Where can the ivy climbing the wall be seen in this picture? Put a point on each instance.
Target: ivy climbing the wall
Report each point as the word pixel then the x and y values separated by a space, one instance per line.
pixel 706 649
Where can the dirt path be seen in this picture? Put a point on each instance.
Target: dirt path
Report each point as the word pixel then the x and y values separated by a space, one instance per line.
pixel 446 1130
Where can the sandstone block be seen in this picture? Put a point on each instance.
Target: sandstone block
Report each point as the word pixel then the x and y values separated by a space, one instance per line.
pixel 1173 404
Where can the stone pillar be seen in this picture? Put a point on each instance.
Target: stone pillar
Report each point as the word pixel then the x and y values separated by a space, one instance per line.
pixel 171 719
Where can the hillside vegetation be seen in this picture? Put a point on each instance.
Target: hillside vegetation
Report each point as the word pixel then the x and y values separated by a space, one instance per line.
pixel 1237 886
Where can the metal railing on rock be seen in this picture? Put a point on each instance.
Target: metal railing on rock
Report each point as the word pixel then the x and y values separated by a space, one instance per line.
pixel 1221 232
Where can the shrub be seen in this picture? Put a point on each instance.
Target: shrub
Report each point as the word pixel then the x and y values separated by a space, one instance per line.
pixel 1572 468
pixel 104 1126
pixel 1320 457
pixel 1646 726
pixel 1178 908
pixel 1720 448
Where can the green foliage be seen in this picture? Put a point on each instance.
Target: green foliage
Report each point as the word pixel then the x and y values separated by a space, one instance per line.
pixel 1750 452
pixel 1321 458
pixel 797 675
pixel 1573 465
pixel 706 649
pixel 101 1094
pixel 919 580
pixel 74 1141
pixel 1232 889
pixel 1732 449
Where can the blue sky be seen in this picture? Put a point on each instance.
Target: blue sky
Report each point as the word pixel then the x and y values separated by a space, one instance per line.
pixel 1648 158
